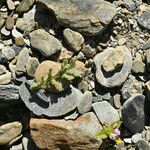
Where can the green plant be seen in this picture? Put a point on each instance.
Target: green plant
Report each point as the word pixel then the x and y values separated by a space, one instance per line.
pixel 65 75
pixel 110 131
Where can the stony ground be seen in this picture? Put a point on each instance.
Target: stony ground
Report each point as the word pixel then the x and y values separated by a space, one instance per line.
pixel 111 42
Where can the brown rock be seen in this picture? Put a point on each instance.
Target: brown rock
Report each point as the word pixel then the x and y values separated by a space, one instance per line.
pixel 19 41
pixel 9 23
pixel 69 135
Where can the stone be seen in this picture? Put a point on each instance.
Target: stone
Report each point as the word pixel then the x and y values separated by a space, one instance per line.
pixel 10 4
pixel 24 6
pixel 1 22
pixel 61 134
pixel 5 78
pixel 85 103
pixel 22 61
pixel 49 104
pixel 19 41
pixel 146 45
pixel 17 147
pixel 136 137
pixel 9 131
pixel 74 39
pixel 43 69
pixel 117 101
pixel 3 58
pixel 16 33
pixel 88 51
pixel 144 20
pixel 87 17
pixel 130 88
pixel 8 42
pixel 133 113
pixel 147 87
pixel 31 66
pixel 110 79
pixel 44 42
pixel 5 32
pixel 129 4
pixel 8 52
pixel 138 67
pixel 148 59
pixel 142 145
pixel 9 24
pixel 72 116
pixel 3 69
pixel 27 23
pixel 105 112
pixel 146 135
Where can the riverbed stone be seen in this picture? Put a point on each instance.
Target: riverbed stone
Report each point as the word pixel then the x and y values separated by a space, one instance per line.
pixel 133 113
pixel 44 42
pixel 75 135
pixel 108 76
pixel 87 17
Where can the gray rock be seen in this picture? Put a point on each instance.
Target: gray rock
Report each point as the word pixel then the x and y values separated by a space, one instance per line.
pixel 133 113
pixel 88 17
pixel 88 51
pixel 121 72
pixel 136 137
pixel 142 145
pixel 9 93
pixel 3 69
pixel 138 67
pixel 3 58
pixel 74 39
pixel 148 59
pixel 105 112
pixel 146 45
pixel 22 61
pixel 52 105
pixel 8 52
pixel 129 4
pixel 44 42
pixel 31 66
pixel 130 88
pixel 144 20
pixel 146 135
pixel 85 103
pixel 9 131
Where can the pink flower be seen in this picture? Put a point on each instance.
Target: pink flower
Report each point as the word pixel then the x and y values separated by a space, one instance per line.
pixel 115 134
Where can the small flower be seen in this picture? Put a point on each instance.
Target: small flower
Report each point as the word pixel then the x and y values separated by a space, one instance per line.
pixel 113 136
pixel 117 132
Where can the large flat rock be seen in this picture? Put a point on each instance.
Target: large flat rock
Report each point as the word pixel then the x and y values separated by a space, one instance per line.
pixel 89 17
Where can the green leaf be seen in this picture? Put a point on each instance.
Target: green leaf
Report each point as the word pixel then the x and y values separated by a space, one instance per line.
pixel 68 77
pixel 101 135
pixel 74 72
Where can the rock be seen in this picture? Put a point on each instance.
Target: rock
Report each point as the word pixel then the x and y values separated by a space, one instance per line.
pixel 117 101
pixel 110 79
pixel 8 52
pixel 17 147
pixel 19 41
pixel 22 61
pixel 142 145
pixel 88 51
pixel 49 104
pixel 85 103
pixel 43 69
pixel 5 78
pixel 87 17
pixel 105 112
pixel 130 88
pixel 3 69
pixel 27 23
pixel 10 4
pixel 146 135
pixel 146 45
pixel 5 32
pixel 3 58
pixel 136 137
pixel 9 24
pixel 9 131
pixel 31 66
pixel 148 59
pixel 16 33
pixel 144 20
pixel 9 93
pixel 75 135
pixel 74 39
pixel 1 22
pixel 147 87
pixel 133 113
pixel 138 67
pixel 129 4
pixel 44 42
pixel 24 6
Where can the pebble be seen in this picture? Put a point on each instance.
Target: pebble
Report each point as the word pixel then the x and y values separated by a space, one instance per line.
pixel 5 78
pixel 16 33
pixel 9 24
pixel 10 4
pixel 73 116
pixel 142 145
pixel 5 32
pixel 129 4
pixel 19 41
pixel 8 52
pixel 136 137
pixel 105 112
